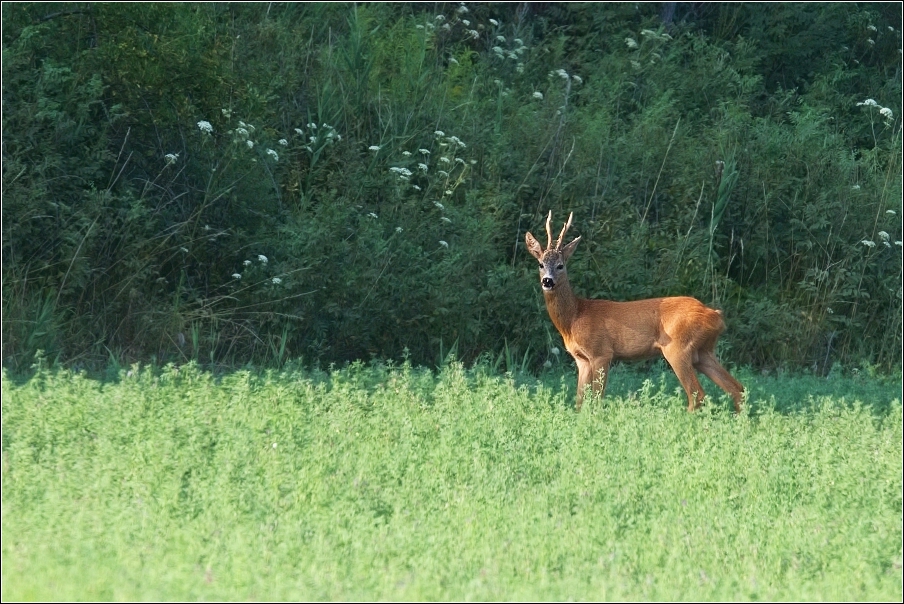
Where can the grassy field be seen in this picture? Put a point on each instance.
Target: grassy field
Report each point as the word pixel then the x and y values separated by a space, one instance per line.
pixel 383 483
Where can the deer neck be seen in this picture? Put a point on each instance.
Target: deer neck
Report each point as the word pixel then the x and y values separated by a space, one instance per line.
pixel 562 306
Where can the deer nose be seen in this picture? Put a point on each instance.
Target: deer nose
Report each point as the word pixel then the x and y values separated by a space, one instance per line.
pixel 547 282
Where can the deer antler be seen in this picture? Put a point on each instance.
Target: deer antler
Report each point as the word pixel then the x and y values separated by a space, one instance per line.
pixel 549 230
pixel 564 230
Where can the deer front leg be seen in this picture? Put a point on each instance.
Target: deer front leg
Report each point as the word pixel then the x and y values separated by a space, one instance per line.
pixel 585 378
pixel 601 375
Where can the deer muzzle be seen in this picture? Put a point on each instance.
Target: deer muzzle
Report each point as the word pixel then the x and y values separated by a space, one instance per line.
pixel 547 283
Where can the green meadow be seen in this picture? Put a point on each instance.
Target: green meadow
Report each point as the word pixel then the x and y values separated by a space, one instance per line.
pixel 382 482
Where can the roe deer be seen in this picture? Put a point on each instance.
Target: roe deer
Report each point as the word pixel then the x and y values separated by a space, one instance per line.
pixel 596 332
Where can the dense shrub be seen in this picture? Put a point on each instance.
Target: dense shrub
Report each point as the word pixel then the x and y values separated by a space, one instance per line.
pixel 233 183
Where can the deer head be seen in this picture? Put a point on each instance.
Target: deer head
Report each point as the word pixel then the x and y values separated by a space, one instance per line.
pixel 553 259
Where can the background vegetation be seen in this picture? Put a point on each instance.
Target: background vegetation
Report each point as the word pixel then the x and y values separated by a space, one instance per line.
pixel 378 483
pixel 231 183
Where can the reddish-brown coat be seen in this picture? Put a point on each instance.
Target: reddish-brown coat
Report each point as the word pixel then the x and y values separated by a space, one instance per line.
pixel 596 332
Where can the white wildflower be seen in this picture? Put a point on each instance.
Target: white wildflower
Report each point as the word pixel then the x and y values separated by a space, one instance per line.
pixel 898 243
pixel 868 103
pixel 473 33
pixel 500 39
pixel 886 113
pixel 183 250
pixel 547 364
pixel 171 158
pixel 445 160
pixel 453 60
pixel 498 51
pixel 868 243
pixel 448 192
pixel 422 167
pixel 443 243
pixel 247 263
pixel 446 220
pixel 892 212
pixel 419 26
pixel 404 173
pixel 538 96
pixel 466 23
pixel 236 276
pixel 472 161
pixel 883 235
pixel 562 74
pixel 312 140
pixel 457 141
pixel 374 148
pixel 423 151
pixel 406 153
pixel 398 229
pixel 276 281
pixel 227 113
pixel 205 126
pixel 415 187
pixel 250 144
pixel 299 131
pixel 459 160
pixel 494 22
pixel 262 259
pixel 439 205
pixel 272 154
pixel 243 132
pixel 439 133
pixel 372 215
pixel 312 126
pixel 855 188
pixel 283 142
pixel 443 173
pixel 871 28
pixel 462 9
pixel 518 42
pixel 440 18
pixel 631 42
pixel 871 41
pixel 577 79
pixel 446 27
pixel 555 351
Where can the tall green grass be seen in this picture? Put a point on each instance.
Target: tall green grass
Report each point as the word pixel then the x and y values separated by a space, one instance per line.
pixel 377 482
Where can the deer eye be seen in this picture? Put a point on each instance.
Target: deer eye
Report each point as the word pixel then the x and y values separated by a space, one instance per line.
pixel 560 267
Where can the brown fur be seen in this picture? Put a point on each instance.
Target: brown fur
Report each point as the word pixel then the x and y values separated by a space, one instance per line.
pixel 596 332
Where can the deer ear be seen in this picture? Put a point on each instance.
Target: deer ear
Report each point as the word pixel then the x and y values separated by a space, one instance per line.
pixel 533 246
pixel 568 250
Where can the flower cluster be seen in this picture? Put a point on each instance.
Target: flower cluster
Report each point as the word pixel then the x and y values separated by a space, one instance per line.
pixel 657 39
pixel 885 112
pixel 317 137
pixel 564 75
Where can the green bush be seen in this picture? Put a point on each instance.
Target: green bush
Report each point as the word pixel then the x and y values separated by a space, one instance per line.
pixel 154 154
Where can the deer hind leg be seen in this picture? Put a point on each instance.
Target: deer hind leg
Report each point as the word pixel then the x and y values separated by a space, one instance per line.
pixel 683 367
pixel 711 368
